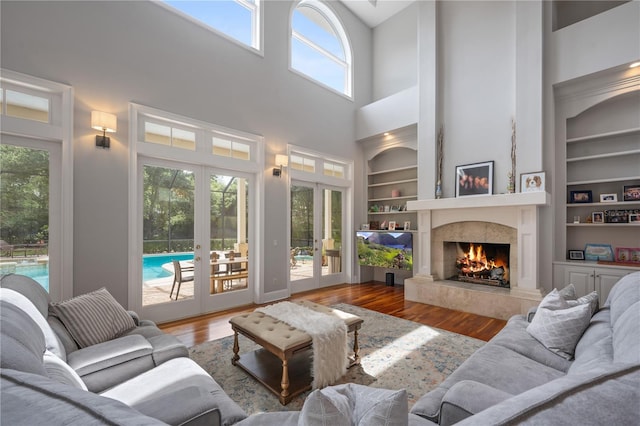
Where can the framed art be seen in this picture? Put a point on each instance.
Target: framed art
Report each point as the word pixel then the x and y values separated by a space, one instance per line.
pixel 598 252
pixel 364 227
pixel 634 218
pixel 576 255
pixel 631 193
pixel 628 254
pixel 532 182
pixel 392 225
pixel 597 217
pixel 580 197
pixel 474 179
pixel 407 225
pixel 608 198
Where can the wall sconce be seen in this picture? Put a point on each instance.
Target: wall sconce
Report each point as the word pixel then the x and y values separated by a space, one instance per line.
pixel 281 161
pixel 105 122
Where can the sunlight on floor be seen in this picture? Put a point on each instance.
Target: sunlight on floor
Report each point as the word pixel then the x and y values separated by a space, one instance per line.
pixel 398 350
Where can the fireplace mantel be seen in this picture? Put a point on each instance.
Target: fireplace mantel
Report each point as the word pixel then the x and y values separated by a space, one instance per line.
pixel 498 200
pixel 518 211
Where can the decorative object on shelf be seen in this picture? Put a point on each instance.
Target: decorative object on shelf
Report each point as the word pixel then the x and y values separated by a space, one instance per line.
pixel 628 254
pixel 634 218
pixel 392 225
pixel 576 255
pixel 576 219
pixel 597 217
pixel 387 209
pixel 532 182
pixel 395 209
pixel 440 156
pixel 580 197
pixel 395 193
pixel 620 216
pixel 474 179
pixel 598 252
pixel 608 198
pixel 511 186
pixel 374 225
pixel 407 225
pixel 364 227
pixel 631 192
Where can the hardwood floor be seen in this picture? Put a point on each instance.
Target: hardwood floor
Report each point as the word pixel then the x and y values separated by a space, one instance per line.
pixel 373 295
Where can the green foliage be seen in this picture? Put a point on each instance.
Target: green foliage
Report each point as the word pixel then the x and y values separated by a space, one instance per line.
pixel 373 254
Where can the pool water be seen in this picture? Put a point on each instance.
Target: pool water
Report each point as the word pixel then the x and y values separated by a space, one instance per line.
pixel 152 264
pixel 151 268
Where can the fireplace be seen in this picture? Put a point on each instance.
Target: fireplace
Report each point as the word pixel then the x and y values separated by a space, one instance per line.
pixel 479 263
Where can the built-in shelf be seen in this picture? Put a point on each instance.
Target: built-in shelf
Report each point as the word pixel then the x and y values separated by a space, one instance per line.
pixel 604 135
pixel 394 182
pixel 405 197
pixel 607 180
pixel 397 169
pixel 605 155
pixel 603 225
pixel 386 213
pixel 598 205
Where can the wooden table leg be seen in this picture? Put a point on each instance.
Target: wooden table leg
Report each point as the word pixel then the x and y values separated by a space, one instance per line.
pixel 236 348
pixel 356 348
pixel 285 382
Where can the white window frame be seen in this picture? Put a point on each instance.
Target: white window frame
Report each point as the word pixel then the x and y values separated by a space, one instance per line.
pixel 59 130
pixel 257 20
pixel 334 21
pixel 202 156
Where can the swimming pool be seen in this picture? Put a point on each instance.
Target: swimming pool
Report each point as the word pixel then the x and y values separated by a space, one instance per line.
pixel 37 271
pixel 152 264
pixel 151 267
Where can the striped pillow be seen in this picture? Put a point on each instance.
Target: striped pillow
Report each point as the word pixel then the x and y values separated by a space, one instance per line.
pixel 93 317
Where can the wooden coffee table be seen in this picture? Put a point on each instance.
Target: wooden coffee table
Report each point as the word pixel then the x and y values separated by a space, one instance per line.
pixel 283 363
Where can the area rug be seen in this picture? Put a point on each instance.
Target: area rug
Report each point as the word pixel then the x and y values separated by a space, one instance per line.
pixel 395 354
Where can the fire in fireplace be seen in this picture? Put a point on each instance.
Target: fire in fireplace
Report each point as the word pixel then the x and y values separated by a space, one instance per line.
pixel 483 263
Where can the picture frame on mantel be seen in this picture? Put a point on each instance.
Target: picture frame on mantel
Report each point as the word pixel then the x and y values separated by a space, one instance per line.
pixel 474 179
pixel 532 182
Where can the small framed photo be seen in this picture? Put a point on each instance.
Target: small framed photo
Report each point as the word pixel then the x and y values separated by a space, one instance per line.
pixel 597 217
pixel 474 179
pixel 631 193
pixel 576 255
pixel 532 182
pixel 634 218
pixel 608 198
pixel 580 197
pixel 392 225
pixel 628 254
pixel 598 252
pixel 364 227
pixel 407 225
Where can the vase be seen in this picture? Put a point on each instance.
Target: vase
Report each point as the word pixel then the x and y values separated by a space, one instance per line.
pixel 438 190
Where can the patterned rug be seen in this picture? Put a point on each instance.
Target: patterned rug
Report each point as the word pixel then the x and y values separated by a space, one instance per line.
pixel 395 354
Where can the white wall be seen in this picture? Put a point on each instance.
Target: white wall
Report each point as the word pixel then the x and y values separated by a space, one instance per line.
pixel 395 66
pixel 116 52
pixel 476 42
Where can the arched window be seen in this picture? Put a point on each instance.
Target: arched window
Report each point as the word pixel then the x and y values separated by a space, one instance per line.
pixel 319 46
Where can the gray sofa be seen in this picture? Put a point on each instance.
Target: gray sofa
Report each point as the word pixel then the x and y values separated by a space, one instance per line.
pixel 143 377
pixel 515 379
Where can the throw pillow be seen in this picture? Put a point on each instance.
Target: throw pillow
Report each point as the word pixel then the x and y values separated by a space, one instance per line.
pixel 380 407
pixel 559 330
pixel 592 299
pixel 93 318
pixel 568 292
pixel 61 372
pixel 326 407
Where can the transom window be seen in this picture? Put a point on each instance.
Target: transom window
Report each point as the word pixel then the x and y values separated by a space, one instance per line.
pixel 306 164
pixel 319 46
pixel 21 104
pixel 237 19
pixel 169 135
pixel 333 169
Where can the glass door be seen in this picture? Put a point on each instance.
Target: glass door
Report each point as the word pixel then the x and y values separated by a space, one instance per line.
pixel 316 230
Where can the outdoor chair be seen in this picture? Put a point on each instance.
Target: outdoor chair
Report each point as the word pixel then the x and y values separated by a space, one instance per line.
pixel 179 278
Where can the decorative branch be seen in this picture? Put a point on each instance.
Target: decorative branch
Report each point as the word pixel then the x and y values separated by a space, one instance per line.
pixel 511 187
pixel 439 167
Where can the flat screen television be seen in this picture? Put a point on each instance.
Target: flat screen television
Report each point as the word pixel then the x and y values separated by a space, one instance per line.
pixel 385 249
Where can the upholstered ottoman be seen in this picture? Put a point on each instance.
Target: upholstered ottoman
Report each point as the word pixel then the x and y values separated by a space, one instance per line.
pixel 284 349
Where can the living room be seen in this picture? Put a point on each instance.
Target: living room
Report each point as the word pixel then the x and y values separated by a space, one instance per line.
pixel 470 69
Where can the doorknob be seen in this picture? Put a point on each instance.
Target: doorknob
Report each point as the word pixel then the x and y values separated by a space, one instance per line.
pixel 197 259
pixel 198 247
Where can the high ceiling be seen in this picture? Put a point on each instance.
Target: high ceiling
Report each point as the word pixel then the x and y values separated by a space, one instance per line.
pixel 374 12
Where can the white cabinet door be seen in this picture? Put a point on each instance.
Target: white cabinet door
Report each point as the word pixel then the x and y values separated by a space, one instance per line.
pixel 605 280
pixel 581 277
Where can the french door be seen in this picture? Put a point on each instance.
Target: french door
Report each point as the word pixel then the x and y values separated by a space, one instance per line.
pixel 195 219
pixel 316 236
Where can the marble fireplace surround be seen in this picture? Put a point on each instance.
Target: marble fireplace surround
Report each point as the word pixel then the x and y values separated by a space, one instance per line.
pixel 504 218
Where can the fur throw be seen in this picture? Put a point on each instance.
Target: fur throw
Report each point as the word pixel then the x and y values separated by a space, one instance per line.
pixel 328 334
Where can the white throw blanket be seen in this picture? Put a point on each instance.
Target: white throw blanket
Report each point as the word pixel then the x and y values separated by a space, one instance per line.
pixel 328 334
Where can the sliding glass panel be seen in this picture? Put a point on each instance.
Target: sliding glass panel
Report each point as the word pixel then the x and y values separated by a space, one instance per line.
pixel 168 234
pixel 331 231
pixel 302 233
